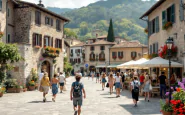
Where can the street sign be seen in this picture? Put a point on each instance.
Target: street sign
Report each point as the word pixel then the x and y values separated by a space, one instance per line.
pixel 86 65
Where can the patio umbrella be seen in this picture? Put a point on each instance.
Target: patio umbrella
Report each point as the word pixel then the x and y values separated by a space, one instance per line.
pixel 124 65
pixel 138 62
pixel 159 62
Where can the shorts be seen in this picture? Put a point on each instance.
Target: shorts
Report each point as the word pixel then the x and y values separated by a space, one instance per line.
pixel 77 101
pixel 45 89
pixel 117 85
pixel 61 84
pixel 97 77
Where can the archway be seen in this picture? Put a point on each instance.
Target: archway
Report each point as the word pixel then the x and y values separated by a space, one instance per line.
pixel 46 67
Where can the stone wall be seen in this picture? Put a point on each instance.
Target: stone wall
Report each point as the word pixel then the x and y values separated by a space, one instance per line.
pixel 3 20
pixel 22 25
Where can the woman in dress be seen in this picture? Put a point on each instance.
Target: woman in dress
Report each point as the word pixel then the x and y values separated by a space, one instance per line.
pixel 111 83
pixel 146 89
pixel 54 83
pixel 103 80
pixel 118 83
pixel 45 83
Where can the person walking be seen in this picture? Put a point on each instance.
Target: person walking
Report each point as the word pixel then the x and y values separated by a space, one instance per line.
pixel 154 78
pixel 61 81
pixel 45 83
pixel 40 78
pixel 162 80
pixel 54 83
pixel 76 94
pixel 146 89
pixel 123 80
pixel 97 77
pixel 135 90
pixel 118 83
pixel 92 75
pixel 111 83
pixel 103 80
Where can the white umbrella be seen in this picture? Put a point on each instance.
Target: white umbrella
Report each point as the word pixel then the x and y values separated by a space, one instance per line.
pixel 125 64
pixel 159 62
pixel 138 62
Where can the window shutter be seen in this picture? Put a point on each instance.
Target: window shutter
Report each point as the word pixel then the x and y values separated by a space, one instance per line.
pixel 173 13
pixel 56 43
pixel 149 28
pixel 40 40
pixel 36 16
pixel 150 49
pixel 164 19
pixel 157 47
pixel 39 18
pixel 44 41
pixel 45 20
pixel 122 54
pixel 34 40
pixel 157 24
pixel 51 22
pixel 181 10
pixel 52 42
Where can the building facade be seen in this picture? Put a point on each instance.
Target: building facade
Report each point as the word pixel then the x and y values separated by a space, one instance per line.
pixel 39 35
pixel 77 57
pixel 166 19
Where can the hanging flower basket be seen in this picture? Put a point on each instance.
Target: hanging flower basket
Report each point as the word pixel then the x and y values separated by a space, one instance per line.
pixel 167 25
pixel 163 51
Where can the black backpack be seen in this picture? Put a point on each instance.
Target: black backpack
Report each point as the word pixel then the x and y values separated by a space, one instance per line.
pixel 77 90
pixel 136 88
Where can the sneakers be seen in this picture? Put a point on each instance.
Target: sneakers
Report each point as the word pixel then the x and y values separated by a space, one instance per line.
pixel 44 100
pixel 53 99
pixel 60 91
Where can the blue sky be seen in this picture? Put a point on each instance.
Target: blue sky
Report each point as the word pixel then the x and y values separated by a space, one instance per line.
pixel 64 3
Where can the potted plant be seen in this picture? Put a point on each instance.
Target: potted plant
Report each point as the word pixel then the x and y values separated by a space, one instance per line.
pixel 24 88
pixel 31 85
pixel 2 91
pixel 166 108
pixel 11 85
pixel 114 57
pixel 167 25
pixel 58 51
pixel 19 88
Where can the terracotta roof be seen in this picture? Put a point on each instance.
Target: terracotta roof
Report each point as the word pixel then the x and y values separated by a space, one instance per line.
pixel 155 6
pixel 129 44
pixel 101 42
pixel 44 10
pixel 104 36
pixel 78 45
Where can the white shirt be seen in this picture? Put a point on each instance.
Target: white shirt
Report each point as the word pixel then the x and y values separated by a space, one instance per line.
pixel 136 83
pixel 41 76
pixel 118 79
pixel 62 78
pixel 154 76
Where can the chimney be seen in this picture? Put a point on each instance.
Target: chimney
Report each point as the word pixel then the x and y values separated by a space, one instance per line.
pixel 40 3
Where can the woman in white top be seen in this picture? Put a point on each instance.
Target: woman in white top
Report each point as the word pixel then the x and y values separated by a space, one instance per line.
pixel 135 90
pixel 147 87
pixel 118 82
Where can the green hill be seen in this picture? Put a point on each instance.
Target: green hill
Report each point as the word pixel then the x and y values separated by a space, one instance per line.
pixel 125 15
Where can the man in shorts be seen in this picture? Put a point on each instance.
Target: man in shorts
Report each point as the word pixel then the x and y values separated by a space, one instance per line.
pixel 61 81
pixel 76 94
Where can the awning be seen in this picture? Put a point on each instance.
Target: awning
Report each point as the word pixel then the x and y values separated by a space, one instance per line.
pixel 100 66
pixel 125 64
pixel 137 62
pixel 113 66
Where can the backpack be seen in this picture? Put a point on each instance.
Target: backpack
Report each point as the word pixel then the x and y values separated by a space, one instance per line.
pixel 136 88
pixel 77 90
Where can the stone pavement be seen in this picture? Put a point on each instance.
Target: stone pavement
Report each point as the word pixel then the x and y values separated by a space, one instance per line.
pixel 98 102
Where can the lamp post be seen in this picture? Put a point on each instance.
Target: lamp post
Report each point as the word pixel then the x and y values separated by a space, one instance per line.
pixel 169 43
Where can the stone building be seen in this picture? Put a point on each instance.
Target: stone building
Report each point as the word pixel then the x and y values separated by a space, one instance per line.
pixel 77 57
pixel 38 33
pixel 165 12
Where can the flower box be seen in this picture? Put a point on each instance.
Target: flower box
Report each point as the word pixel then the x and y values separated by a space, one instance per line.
pixel 167 25
pixel 31 88
pixel 18 90
pixel 92 59
pixel 120 57
pixel 114 57
pixel 11 90
pixel 102 59
pixel 163 51
pixel 166 113
pixel 37 47
pixel 51 52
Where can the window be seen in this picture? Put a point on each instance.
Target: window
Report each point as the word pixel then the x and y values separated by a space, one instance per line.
pixel 58 43
pixel 92 55
pixel 37 39
pixel 169 15
pixel 102 56
pixel 37 17
pixel 79 61
pixel 92 48
pixel 51 22
pixel 0 5
pixel 153 48
pixel 153 26
pixel 8 39
pixel 133 55
pixel 102 47
pixel 71 60
pixel 47 20
pixel 47 41
pixel 71 50
pixel 58 25
pixel 114 54
pixel 120 54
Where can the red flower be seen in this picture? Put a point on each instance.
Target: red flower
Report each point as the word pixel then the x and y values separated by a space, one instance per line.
pixel 178 89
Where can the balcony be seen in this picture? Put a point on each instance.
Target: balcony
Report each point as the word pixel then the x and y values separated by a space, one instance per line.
pixel 51 52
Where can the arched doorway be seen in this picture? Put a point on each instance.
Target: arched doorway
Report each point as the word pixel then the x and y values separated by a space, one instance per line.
pixel 46 67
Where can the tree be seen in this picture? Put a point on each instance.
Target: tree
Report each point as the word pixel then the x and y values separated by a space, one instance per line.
pixel 110 36
pixel 8 53
pixel 69 33
pixel 67 66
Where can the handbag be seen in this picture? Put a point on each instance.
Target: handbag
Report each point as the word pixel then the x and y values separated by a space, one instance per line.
pixel 107 85
pixel 41 89
pixel 150 87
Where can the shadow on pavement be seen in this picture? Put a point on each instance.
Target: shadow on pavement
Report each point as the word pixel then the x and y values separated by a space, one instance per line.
pixel 39 102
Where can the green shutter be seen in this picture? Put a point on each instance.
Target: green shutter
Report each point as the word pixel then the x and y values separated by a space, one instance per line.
pixel 164 19
pixel 173 13
pixel 149 28
pixel 157 24
pixel 181 10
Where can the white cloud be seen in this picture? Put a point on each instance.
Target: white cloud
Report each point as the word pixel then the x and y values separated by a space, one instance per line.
pixel 64 3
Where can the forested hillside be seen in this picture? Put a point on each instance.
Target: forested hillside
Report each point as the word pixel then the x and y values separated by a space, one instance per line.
pixel 124 13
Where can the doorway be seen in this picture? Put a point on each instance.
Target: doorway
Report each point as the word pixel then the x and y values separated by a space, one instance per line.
pixel 46 68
